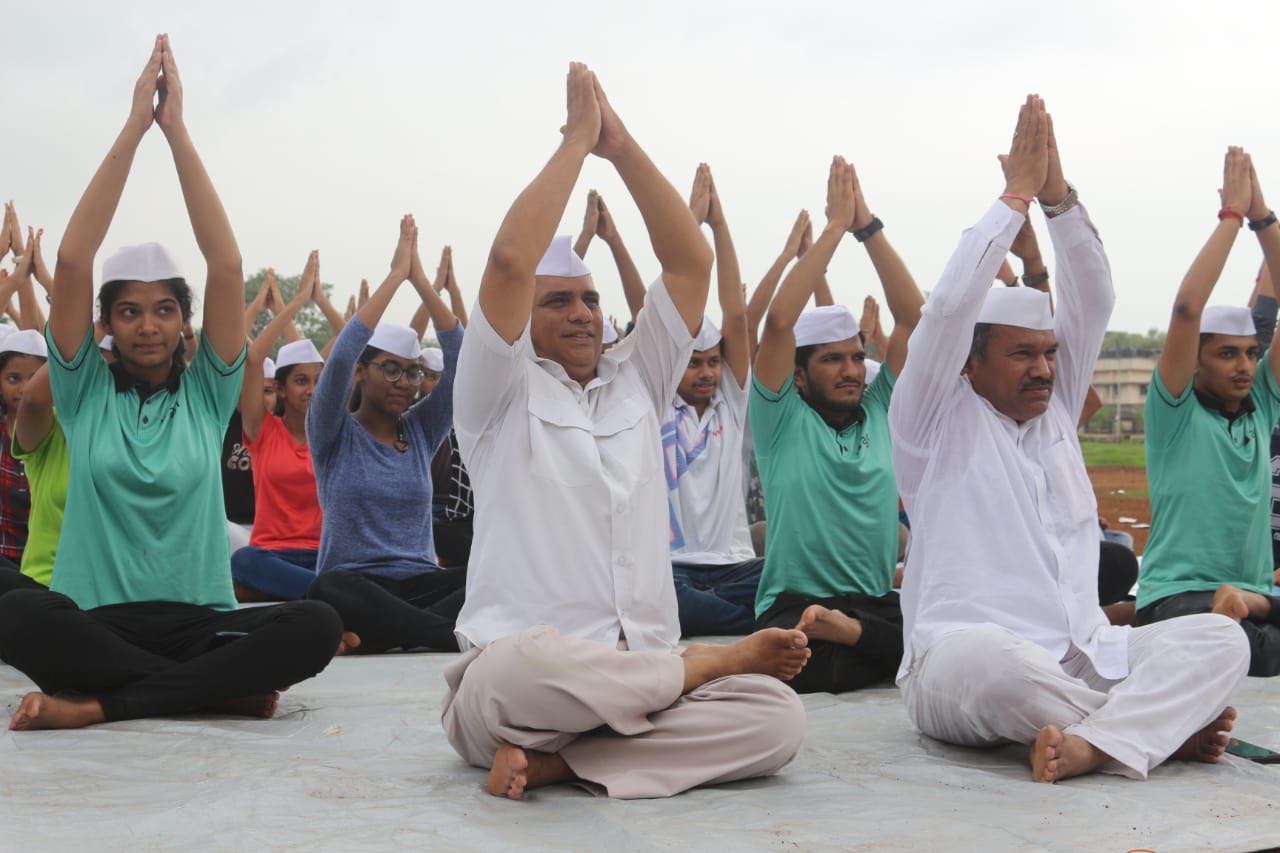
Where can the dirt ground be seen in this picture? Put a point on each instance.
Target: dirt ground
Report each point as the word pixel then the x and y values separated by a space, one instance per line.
pixel 1122 492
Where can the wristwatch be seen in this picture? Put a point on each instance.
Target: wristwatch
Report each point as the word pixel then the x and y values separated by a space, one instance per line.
pixel 1071 199
pixel 862 235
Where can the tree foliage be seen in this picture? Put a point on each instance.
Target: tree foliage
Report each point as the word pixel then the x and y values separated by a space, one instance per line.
pixel 310 322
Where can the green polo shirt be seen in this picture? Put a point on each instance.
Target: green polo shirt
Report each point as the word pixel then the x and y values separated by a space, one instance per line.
pixel 1210 482
pixel 830 497
pixel 144 514
pixel 48 468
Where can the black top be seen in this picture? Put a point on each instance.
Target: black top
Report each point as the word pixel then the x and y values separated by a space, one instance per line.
pixel 237 474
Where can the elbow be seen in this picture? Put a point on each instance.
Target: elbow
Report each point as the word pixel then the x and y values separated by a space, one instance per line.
pixel 508 261
pixel 1186 311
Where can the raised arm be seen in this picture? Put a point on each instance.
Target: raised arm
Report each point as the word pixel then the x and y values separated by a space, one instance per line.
pixel 29 314
pixel 1026 248
pixel 506 288
pixel 1177 363
pixel 71 308
pixel 590 224
pixel 456 303
pixel 776 358
pixel 763 294
pixel 873 336
pixel 682 251
pixel 943 338
pixel 1262 221
pixel 735 346
pixel 259 302
pixel 633 288
pixel 901 294
pixel 6 230
pixel 35 412
pixel 224 284
pixel 253 409
pixel 441 317
pixel 38 268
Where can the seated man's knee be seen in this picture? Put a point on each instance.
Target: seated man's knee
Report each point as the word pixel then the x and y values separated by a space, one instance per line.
pixel 328 586
pixel 536 655
pixel 985 666
pixel 783 718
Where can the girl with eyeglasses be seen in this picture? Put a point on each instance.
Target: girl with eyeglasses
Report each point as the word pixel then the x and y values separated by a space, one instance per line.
pixel 372 448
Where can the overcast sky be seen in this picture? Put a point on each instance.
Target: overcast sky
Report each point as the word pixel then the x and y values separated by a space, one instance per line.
pixel 321 124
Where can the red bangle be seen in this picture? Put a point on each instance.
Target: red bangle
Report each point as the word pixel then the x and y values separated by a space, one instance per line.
pixel 1025 199
pixel 1228 213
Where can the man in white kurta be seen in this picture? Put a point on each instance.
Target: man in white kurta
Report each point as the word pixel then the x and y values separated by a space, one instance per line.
pixel 570 668
pixel 1000 602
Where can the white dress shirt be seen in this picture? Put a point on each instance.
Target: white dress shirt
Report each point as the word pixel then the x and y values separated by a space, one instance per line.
pixel 571 504
pixel 1003 518
pixel 708 501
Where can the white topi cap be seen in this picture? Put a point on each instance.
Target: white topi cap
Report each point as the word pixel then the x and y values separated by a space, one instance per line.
pixel 432 359
pixel 27 342
pixel 1024 307
pixel 708 336
pixel 561 260
pixel 297 352
pixel 824 325
pixel 143 262
pixel 610 333
pixel 873 370
pixel 268 368
pixel 1227 320
pixel 6 332
pixel 106 343
pixel 398 340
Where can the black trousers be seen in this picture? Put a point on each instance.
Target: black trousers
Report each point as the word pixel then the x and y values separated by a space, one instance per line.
pixel 156 658
pixel 836 668
pixel 1117 573
pixel 452 540
pixel 413 613
pixel 1264 637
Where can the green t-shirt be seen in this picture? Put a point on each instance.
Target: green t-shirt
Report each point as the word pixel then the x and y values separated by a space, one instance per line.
pixel 48 466
pixel 1210 482
pixel 144 512
pixel 830 498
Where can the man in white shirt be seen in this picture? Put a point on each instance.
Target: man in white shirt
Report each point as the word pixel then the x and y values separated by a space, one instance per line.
pixel 1005 641
pixel 716 569
pixel 569 627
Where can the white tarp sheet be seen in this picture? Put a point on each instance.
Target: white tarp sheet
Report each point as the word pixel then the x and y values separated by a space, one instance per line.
pixel 356 760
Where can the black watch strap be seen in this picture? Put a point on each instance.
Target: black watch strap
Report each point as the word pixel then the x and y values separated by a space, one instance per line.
pixel 1264 222
pixel 1036 280
pixel 862 235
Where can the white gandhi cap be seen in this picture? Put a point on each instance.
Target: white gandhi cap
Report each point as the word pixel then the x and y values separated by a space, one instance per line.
pixel 1017 306
pixel 823 325
pixel 561 260
pixel 143 262
pixel 398 340
pixel 1227 320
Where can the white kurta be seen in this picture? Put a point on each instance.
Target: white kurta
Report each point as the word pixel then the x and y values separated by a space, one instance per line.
pixel 1003 519
pixel 571 505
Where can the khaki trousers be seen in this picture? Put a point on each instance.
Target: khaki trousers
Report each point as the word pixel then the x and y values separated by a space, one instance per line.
pixel 985 686
pixel 617 717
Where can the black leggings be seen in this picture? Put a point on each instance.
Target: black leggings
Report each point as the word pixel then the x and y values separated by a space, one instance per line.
pixel 411 613
pixel 836 668
pixel 157 658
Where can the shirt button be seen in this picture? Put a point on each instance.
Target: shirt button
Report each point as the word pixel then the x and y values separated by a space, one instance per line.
pixel 146 420
pixel 621 509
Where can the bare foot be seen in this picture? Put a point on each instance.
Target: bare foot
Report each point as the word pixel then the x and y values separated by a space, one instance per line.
pixel 263 706
pixel 1055 756
pixel 348 644
pixel 1229 601
pixel 822 623
pixel 515 769
pixel 40 711
pixel 770 651
pixel 1209 743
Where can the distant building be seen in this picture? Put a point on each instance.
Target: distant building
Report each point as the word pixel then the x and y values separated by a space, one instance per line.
pixel 1122 378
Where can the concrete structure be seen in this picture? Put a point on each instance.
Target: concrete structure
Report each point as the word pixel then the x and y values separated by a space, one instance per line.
pixel 1122 378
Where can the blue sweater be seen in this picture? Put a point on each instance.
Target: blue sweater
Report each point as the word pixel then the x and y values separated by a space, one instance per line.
pixel 376 500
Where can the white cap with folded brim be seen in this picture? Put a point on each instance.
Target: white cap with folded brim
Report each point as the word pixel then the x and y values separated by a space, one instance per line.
pixel 1227 320
pixel 432 359
pixel 1017 306
pixel 708 336
pixel 297 352
pixel 398 340
pixel 106 343
pixel 561 260
pixel 27 342
pixel 6 332
pixel 143 262
pixel 873 370
pixel 823 325
pixel 268 368
pixel 610 334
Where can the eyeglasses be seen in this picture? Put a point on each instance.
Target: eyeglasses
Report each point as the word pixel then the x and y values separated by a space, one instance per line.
pixel 393 370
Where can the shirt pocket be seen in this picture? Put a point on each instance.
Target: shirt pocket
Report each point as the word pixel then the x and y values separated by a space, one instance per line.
pixel 1070 492
pixel 629 445
pixel 562 446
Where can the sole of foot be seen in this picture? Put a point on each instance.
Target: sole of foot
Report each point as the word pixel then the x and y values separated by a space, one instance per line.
pixel 263 706
pixel 778 652
pixel 40 711
pixel 832 626
pixel 1228 601
pixel 348 644
pixel 509 774
pixel 1209 744
pixel 1056 756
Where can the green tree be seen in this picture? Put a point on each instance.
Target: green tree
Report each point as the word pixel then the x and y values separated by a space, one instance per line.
pixel 310 322
pixel 1153 339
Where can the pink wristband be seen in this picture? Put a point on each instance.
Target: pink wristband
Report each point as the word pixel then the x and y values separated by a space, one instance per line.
pixel 1025 199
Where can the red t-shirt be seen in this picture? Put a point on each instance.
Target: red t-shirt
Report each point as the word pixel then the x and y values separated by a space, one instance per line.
pixel 287 513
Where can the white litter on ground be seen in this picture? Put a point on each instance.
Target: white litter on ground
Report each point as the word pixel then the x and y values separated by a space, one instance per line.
pixel 356 760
